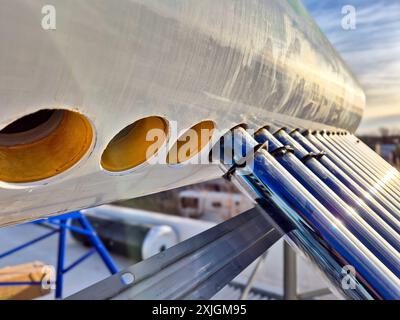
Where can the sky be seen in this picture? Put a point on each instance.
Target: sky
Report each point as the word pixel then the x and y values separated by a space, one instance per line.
pixel 371 50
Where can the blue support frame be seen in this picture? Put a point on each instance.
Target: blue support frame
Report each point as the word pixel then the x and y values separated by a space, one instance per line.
pixel 61 224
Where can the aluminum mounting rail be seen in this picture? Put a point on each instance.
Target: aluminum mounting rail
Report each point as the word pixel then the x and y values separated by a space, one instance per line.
pixel 196 268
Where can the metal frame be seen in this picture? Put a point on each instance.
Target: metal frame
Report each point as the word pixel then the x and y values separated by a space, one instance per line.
pixel 194 269
pixel 290 278
pixel 61 224
pixel 174 273
pixel 289 281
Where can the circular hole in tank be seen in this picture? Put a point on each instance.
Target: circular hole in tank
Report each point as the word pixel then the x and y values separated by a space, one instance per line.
pixel 135 144
pixel 191 142
pixel 43 144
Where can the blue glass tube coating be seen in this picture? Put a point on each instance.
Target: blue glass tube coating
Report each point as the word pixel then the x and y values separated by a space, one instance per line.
pixel 374 163
pixel 361 168
pixel 358 186
pixel 338 199
pixel 364 180
pixel 324 239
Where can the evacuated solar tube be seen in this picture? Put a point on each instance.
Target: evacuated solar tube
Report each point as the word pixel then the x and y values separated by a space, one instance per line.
pixel 383 179
pixel 356 144
pixel 371 187
pixel 374 156
pixel 374 160
pixel 369 215
pixel 361 157
pixel 377 181
pixel 377 203
pixel 363 165
pixel 353 141
pixel 338 199
pixel 316 232
pixel 374 184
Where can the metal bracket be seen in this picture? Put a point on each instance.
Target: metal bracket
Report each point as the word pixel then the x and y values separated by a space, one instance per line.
pixel 281 151
pixel 243 161
pixel 313 155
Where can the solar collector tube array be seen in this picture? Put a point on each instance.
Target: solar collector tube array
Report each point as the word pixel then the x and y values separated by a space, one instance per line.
pixel 362 158
pixel 375 181
pixel 353 141
pixel 363 154
pixel 320 215
pixel 385 179
pixel 337 198
pixel 359 187
pixel 375 189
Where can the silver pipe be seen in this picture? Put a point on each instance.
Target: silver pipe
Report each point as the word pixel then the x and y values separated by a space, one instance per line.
pixel 314 294
pixel 289 273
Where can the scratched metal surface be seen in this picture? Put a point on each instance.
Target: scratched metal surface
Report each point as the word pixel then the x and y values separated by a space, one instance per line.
pixel 232 61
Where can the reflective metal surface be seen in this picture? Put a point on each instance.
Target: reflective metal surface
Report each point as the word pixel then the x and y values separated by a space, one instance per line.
pixel 310 226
